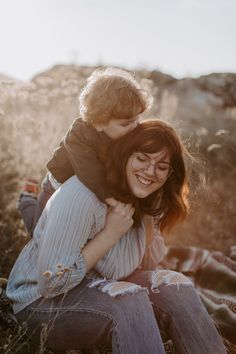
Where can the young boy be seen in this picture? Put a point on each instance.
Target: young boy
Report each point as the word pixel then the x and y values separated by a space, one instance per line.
pixel 110 106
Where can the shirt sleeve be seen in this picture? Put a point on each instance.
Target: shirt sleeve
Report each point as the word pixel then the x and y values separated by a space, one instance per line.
pixel 80 144
pixel 66 226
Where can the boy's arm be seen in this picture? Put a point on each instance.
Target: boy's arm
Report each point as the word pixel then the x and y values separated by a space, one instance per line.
pixel 81 144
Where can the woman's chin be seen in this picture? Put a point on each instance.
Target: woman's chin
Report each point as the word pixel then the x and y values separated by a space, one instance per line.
pixel 140 193
pixel 142 187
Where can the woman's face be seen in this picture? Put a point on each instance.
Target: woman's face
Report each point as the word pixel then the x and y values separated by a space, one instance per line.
pixel 146 173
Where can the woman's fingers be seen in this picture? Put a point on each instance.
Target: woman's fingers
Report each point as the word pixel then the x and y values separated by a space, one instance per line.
pixel 119 219
pixel 124 209
pixel 112 202
pixel 130 212
pixel 129 209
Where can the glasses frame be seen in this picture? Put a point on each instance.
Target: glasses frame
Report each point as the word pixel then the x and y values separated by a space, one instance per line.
pixel 149 161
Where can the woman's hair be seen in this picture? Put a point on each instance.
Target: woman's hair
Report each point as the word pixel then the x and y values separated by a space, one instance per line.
pixel 170 202
pixel 112 93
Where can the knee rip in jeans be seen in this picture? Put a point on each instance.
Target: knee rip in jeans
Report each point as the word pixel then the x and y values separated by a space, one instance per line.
pixel 115 288
pixel 167 277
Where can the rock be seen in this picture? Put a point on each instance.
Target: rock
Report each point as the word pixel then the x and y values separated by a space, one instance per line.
pixel 222 85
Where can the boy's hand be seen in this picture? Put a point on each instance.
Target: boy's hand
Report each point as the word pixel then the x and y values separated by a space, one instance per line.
pixel 112 202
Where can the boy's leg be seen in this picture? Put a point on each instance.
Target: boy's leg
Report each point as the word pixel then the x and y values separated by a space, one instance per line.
pixel 31 206
pixel 180 311
pixel 47 191
pixel 27 203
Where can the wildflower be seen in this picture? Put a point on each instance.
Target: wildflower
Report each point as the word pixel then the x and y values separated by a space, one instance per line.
pixel 59 266
pixel 221 132
pixel 47 274
pixel 213 147
pixel 67 269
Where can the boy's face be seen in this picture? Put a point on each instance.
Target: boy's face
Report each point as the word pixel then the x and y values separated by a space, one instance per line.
pixel 116 128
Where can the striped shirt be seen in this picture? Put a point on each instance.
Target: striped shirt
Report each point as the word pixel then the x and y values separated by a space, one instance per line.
pixel 51 263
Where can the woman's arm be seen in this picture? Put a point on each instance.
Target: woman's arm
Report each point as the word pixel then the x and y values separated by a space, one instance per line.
pixel 66 225
pixel 118 221
pixel 65 255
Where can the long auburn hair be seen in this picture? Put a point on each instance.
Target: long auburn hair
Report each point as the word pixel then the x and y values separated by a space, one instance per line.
pixel 170 203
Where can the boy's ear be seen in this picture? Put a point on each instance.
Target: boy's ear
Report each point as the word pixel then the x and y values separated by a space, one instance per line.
pixel 98 127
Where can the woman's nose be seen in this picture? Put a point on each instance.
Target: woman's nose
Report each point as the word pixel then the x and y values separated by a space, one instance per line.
pixel 150 170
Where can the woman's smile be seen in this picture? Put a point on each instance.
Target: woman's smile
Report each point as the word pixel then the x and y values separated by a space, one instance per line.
pixel 143 182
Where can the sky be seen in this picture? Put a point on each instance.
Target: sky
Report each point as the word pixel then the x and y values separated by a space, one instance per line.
pixel 178 37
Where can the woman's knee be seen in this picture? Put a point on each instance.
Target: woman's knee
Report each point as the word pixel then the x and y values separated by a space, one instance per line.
pixel 168 279
pixel 130 300
pixel 173 292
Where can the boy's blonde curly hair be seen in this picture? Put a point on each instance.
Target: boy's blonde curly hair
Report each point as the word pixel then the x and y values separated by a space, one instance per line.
pixel 112 93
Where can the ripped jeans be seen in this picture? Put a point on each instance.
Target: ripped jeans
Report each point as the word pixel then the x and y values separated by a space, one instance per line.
pixel 126 316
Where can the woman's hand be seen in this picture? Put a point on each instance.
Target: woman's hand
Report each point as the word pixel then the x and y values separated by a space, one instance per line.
pixel 111 201
pixel 119 220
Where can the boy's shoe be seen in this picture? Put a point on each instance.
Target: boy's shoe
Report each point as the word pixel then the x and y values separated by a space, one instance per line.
pixel 30 186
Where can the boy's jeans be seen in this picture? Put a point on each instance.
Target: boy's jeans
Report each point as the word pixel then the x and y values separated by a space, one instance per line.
pixel 87 316
pixel 31 208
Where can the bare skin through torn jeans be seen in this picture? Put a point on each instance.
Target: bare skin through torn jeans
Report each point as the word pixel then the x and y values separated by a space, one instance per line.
pixel 127 315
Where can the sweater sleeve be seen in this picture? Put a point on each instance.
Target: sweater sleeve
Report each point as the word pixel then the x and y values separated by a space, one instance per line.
pixel 82 144
pixel 66 226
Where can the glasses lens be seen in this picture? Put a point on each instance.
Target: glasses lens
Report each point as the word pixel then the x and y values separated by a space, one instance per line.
pixel 139 162
pixel 162 170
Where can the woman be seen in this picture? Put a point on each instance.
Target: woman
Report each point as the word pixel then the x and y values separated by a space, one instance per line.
pixel 82 274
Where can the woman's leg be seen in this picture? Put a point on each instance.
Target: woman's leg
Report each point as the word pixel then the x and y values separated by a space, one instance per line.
pixel 88 316
pixel 180 312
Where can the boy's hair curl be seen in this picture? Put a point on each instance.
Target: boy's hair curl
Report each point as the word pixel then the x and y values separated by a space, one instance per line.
pixel 112 93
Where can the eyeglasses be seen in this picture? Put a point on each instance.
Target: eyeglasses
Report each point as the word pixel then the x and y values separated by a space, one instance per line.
pixel 162 169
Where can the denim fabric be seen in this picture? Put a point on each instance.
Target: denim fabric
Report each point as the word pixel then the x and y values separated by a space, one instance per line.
pixel 85 317
pixel 32 208
pixel 181 314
